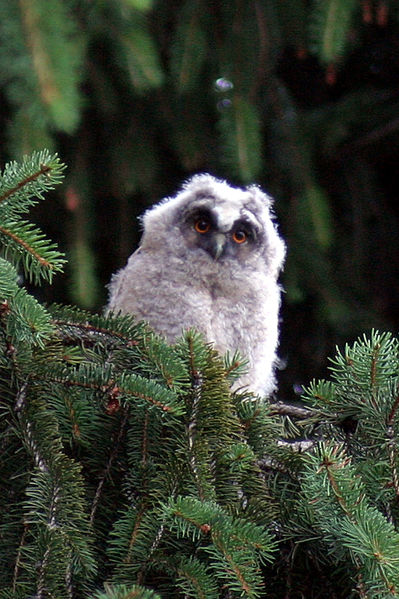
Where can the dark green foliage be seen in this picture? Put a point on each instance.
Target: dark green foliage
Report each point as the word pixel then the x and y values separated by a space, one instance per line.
pixel 123 592
pixel 43 74
pixel 22 186
pixel 129 465
pixel 298 96
pixel 130 469
pixel 329 28
pixel 124 460
pixel 347 504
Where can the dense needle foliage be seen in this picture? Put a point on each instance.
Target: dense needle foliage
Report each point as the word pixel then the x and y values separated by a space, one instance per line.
pixel 299 96
pixel 129 469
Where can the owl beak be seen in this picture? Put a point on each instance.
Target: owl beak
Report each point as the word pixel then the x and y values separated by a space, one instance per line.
pixel 219 242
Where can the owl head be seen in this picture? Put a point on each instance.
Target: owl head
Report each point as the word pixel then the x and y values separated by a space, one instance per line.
pixel 226 224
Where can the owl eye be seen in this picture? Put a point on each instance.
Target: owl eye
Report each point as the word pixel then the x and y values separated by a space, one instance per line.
pixel 202 225
pixel 240 236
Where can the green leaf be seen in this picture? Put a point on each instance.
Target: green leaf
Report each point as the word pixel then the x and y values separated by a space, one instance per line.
pixel 330 23
pixel 139 53
pixel 143 5
pixel 47 52
pixel 189 49
pixel 315 204
pixel 241 138
pixel 84 284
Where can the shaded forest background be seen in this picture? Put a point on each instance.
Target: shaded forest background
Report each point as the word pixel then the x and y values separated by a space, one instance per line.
pixel 301 97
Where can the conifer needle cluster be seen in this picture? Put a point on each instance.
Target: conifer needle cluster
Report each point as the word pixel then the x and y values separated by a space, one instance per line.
pixel 129 469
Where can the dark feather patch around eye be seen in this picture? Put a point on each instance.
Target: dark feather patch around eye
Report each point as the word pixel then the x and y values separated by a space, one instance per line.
pixel 240 236
pixel 200 217
pixel 244 231
pixel 202 225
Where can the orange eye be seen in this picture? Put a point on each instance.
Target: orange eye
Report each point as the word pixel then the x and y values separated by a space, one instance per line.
pixel 202 225
pixel 239 236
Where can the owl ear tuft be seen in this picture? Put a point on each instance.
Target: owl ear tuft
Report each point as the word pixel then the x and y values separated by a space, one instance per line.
pixel 275 250
pixel 200 178
pixel 201 182
pixel 261 196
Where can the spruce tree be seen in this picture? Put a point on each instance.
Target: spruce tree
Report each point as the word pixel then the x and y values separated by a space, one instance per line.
pixel 129 469
pixel 127 464
pixel 298 96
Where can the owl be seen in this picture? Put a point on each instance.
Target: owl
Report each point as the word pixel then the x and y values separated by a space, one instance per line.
pixel 209 259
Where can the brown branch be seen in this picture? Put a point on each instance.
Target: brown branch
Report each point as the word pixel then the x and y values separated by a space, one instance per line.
pixel 107 469
pixel 44 170
pixel 89 328
pixel 392 446
pixel 19 556
pixel 235 567
pixel 327 464
pixel 289 410
pixel 234 366
pixel 393 411
pixel 134 534
pixel 110 384
pixel 194 371
pixel 26 246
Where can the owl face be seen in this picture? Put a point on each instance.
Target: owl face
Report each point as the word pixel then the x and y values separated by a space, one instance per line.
pixel 217 224
pixel 220 229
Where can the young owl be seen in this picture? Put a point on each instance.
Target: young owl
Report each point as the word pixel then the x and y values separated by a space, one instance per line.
pixel 209 259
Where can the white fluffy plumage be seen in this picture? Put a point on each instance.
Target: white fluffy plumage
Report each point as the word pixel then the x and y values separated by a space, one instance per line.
pixel 209 259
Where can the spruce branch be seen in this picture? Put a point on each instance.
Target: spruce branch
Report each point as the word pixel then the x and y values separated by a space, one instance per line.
pixel 19 557
pixel 124 387
pixel 27 244
pixel 296 411
pixel 131 539
pixel 333 487
pixel 122 591
pixel 149 393
pixel 393 412
pixel 195 579
pixel 44 170
pixel 22 186
pixel 24 320
pixel 235 365
pixel 135 532
pixel 107 470
pixel 160 357
pixel 393 446
pixel 192 427
pixel 73 322
pixel 235 546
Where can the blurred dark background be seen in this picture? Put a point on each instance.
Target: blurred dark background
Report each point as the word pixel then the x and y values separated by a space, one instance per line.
pixel 300 97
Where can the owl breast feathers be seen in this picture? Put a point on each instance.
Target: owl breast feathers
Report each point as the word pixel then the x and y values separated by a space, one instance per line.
pixel 209 259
